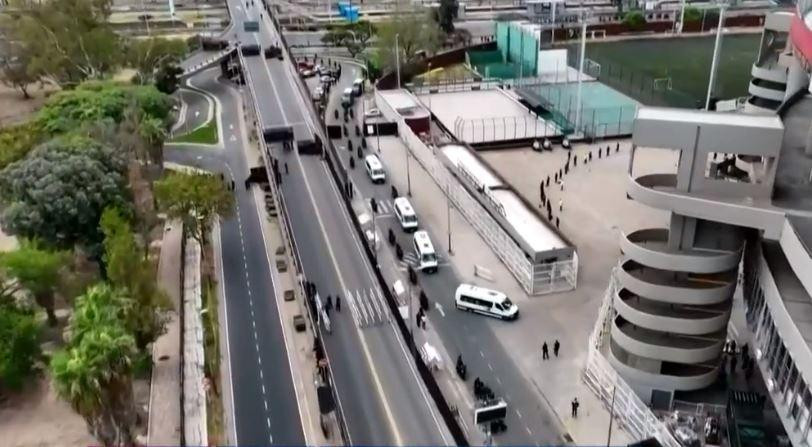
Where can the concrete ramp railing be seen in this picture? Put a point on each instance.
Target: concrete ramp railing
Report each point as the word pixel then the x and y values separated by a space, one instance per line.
pixel 209 62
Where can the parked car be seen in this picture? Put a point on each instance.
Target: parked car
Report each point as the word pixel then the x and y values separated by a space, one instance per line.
pixel 372 113
pixel 326 79
pixel 307 72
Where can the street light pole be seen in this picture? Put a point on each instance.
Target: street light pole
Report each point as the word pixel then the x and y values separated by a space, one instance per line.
pixel 408 176
pixel 448 214
pixel 397 58
pixel 714 63
pixel 580 72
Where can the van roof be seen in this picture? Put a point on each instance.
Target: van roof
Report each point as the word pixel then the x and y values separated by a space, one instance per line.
pixel 470 289
pixel 358 81
pixel 422 239
pixel 404 205
pixel 348 91
pixel 373 161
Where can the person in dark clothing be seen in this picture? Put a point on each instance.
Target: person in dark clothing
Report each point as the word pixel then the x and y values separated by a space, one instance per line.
pixel 575 406
pixel 557 223
pixel 338 303
pixel 286 168
pixel 617 147
pixel 556 347
pixel 548 181
pixel 545 354
pixel 575 162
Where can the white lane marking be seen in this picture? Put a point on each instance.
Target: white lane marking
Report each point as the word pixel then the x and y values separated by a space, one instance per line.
pixel 365 348
pixel 519 413
pixel 383 304
pixel 481 354
pixel 528 431
pixel 263 389
pixel 261 376
pixel 439 308
pixel 374 299
pixel 344 212
pixel 490 367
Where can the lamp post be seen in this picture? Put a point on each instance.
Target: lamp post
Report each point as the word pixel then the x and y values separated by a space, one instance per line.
pixel 715 61
pixel 448 213
pixel 397 58
pixel 580 72
pixel 408 176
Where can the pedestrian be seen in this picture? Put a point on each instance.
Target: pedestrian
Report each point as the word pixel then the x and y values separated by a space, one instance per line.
pixel 418 317
pixel 338 303
pixel 575 406
pixel 600 152
pixel 562 184
pixel 549 208
pixel 556 177
pixel 545 354
pixel 561 202
pixel 548 181
pixel 232 185
pixel 567 168
pixel 286 168
pixel 557 223
pixel 617 147
pixel 733 361
pixel 590 155
pixel 556 347
pixel 575 162
pixel 328 304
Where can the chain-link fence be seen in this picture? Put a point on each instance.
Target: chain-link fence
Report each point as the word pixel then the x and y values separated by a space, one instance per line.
pixel 649 90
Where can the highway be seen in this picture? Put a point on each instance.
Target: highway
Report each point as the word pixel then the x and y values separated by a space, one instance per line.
pixel 264 398
pixel 530 419
pixel 380 394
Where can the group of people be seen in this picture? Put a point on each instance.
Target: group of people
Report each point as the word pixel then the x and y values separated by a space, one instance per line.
pixel 545 352
pixel 732 355
pixel 558 178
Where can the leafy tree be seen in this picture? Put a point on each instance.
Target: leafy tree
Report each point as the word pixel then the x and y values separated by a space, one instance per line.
pixel 445 15
pixel 58 192
pixel 17 141
pixel 129 268
pixel 19 346
pixel 167 79
pixel 414 33
pixel 36 270
pixel 16 69
pixel 99 101
pixel 69 40
pixel 635 20
pixel 692 14
pixel 148 56
pixel 195 199
pixel 95 373
pixel 354 37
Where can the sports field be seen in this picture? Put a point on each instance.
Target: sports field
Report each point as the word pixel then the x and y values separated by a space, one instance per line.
pixel 631 66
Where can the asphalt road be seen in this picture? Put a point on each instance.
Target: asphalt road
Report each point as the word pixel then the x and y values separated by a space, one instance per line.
pixel 530 419
pixel 265 402
pixel 380 395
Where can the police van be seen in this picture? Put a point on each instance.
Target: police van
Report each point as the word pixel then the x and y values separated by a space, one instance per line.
pixel 485 301
pixel 375 169
pixel 405 214
pixel 424 250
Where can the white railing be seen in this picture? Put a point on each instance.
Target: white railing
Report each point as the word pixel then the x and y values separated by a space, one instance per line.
pixel 628 410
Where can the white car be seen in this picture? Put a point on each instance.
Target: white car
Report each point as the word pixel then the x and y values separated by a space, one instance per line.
pixel 372 113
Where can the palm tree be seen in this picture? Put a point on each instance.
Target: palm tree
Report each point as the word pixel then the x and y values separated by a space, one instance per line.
pixel 95 376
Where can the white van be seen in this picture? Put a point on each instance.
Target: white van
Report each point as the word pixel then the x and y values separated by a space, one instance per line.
pixel 486 302
pixel 405 214
pixel 347 98
pixel 375 169
pixel 426 257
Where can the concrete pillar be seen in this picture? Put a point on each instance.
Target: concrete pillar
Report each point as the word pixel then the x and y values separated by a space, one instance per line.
pixel 797 79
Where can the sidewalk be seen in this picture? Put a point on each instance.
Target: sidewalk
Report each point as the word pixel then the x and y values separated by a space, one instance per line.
pixel 194 376
pixel 567 316
pixel 164 402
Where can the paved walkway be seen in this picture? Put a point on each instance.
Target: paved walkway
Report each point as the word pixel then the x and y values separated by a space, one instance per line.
pixel 595 210
pixel 194 376
pixel 164 403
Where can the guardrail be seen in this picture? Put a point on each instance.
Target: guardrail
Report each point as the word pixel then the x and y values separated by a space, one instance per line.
pixel 615 394
pixel 289 237
pixel 341 177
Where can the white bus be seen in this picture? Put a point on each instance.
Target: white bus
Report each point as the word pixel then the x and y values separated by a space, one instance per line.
pixel 486 302
pixel 424 250
pixel 405 214
pixel 375 169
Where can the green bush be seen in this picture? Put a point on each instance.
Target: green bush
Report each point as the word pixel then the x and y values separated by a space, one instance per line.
pixel 635 20
pixel 17 141
pixel 19 346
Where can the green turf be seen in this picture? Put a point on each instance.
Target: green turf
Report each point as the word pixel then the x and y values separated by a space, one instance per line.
pixel 631 65
pixel 205 134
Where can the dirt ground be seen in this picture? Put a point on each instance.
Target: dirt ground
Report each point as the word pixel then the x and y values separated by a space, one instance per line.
pixel 15 109
pixel 37 417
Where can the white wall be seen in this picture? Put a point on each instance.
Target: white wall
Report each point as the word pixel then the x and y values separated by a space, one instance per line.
pixel 552 61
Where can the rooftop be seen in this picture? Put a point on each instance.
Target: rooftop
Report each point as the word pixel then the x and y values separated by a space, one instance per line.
pixel 695 116
pixel 794 296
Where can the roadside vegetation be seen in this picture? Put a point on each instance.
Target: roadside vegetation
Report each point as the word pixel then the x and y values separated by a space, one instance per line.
pixel 205 134
pixel 79 183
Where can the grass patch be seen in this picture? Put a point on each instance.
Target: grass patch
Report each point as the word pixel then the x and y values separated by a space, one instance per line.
pixel 205 134
pixel 211 336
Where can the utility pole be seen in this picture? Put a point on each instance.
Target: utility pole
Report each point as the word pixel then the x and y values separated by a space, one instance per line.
pixel 580 72
pixel 397 58
pixel 448 213
pixel 681 16
pixel 716 47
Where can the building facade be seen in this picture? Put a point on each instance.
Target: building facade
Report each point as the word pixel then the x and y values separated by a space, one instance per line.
pixel 740 198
